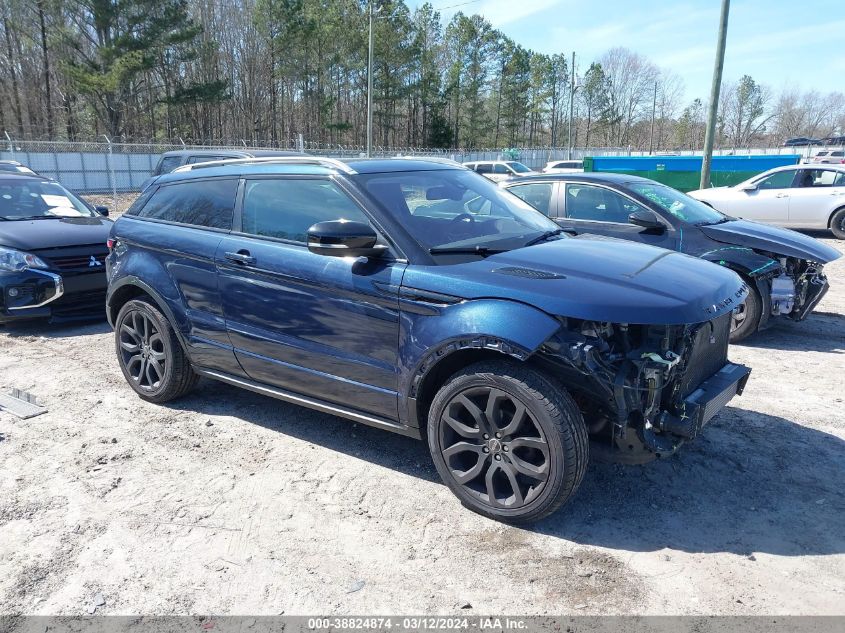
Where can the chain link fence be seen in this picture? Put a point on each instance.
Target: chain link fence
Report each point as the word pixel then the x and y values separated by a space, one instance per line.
pixel 108 169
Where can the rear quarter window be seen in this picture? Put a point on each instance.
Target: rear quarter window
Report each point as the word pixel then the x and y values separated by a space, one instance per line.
pixel 206 203
pixel 167 164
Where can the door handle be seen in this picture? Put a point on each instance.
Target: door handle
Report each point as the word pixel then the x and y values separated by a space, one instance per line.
pixel 782 195
pixel 241 257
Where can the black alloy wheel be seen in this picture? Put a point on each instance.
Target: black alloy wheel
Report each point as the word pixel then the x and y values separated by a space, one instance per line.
pixel 508 441
pixel 142 350
pixel 494 448
pixel 150 355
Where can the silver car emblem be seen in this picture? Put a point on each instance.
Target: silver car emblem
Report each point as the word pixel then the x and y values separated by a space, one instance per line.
pixel 93 263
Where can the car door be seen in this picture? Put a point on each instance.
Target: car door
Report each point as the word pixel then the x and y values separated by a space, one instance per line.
pixel 500 172
pixel 768 201
pixel 816 192
pixel 597 209
pixel 179 227
pixel 325 327
pixel 542 195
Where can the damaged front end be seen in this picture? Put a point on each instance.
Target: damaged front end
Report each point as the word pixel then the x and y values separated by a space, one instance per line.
pixel 644 389
pixel 795 287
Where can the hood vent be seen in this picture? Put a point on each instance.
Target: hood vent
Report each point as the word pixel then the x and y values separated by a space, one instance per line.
pixel 528 273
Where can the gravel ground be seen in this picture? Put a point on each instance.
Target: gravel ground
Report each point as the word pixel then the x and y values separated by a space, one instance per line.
pixel 231 503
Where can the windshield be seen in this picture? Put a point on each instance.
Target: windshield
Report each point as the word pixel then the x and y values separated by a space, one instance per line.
pixel 30 198
pixel 457 209
pixel 519 168
pixel 678 204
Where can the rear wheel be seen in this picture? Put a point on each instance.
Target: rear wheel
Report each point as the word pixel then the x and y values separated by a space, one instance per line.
pixel 150 355
pixel 837 224
pixel 507 441
pixel 745 317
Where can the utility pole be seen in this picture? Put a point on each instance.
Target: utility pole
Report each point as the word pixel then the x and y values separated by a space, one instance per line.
pixel 713 109
pixel 571 106
pixel 370 86
pixel 653 112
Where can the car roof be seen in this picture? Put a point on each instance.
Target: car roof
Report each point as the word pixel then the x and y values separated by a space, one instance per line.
pixel 20 175
pixel 836 166
pixel 354 166
pixel 234 153
pixel 604 176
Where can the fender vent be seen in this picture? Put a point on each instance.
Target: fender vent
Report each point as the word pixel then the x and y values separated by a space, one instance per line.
pixel 529 273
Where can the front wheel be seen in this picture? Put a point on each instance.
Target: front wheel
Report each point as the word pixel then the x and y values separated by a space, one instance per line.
pixel 150 355
pixel 510 443
pixel 745 317
pixel 837 224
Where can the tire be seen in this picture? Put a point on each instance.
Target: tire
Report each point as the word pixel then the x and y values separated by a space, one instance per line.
pixel 146 345
pixel 744 323
pixel 539 460
pixel 837 224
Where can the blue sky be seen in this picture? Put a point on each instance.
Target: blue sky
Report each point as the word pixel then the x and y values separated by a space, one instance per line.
pixel 778 42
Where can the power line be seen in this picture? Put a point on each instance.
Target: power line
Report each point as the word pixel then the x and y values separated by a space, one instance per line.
pixel 453 6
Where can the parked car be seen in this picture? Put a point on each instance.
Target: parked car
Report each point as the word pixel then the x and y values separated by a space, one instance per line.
pixel 798 197
pixel 13 166
pixel 834 140
pixel 417 297
pixel 52 252
pixel 783 269
pixel 827 156
pixel 176 158
pixel 801 141
pixel 564 167
pixel 497 170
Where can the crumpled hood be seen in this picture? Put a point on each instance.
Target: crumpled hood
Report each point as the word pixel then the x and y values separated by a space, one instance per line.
pixel 593 278
pixel 771 239
pixel 34 235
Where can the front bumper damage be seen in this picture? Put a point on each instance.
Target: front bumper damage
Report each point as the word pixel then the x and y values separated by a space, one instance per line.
pixel 645 390
pixel 793 289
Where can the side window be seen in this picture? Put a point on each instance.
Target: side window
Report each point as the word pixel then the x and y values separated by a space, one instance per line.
pixel 484 168
pixel 538 195
pixel 839 181
pixel 816 178
pixel 208 203
pixel 778 180
pixel 498 168
pixel 287 208
pixel 587 202
pixel 167 164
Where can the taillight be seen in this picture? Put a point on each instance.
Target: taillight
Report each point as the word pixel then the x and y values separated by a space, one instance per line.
pixel 110 243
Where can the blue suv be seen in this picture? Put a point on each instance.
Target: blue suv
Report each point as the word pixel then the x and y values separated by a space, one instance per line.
pixel 417 296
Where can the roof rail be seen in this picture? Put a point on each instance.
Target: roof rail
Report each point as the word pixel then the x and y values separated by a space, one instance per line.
pixel 292 160
pixel 431 159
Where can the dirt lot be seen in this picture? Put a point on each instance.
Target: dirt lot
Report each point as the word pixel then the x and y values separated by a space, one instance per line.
pixel 232 503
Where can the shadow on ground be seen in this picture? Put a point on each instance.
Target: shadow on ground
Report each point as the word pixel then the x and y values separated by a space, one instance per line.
pixel 820 332
pixel 751 483
pixel 55 330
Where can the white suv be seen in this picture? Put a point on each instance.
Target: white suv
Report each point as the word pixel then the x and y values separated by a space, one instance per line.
pixel 564 167
pixel 500 169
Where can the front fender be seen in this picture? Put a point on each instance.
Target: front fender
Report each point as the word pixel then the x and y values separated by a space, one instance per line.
pixel 755 267
pixel 429 334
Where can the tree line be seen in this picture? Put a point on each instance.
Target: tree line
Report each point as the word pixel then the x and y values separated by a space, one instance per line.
pixel 266 71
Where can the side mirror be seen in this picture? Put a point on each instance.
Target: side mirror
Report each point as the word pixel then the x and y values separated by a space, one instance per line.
pixel 749 187
pixel 104 211
pixel 340 238
pixel 646 219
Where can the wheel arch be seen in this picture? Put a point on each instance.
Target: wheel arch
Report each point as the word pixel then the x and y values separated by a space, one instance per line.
pixel 442 346
pixel 834 212
pixel 130 288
